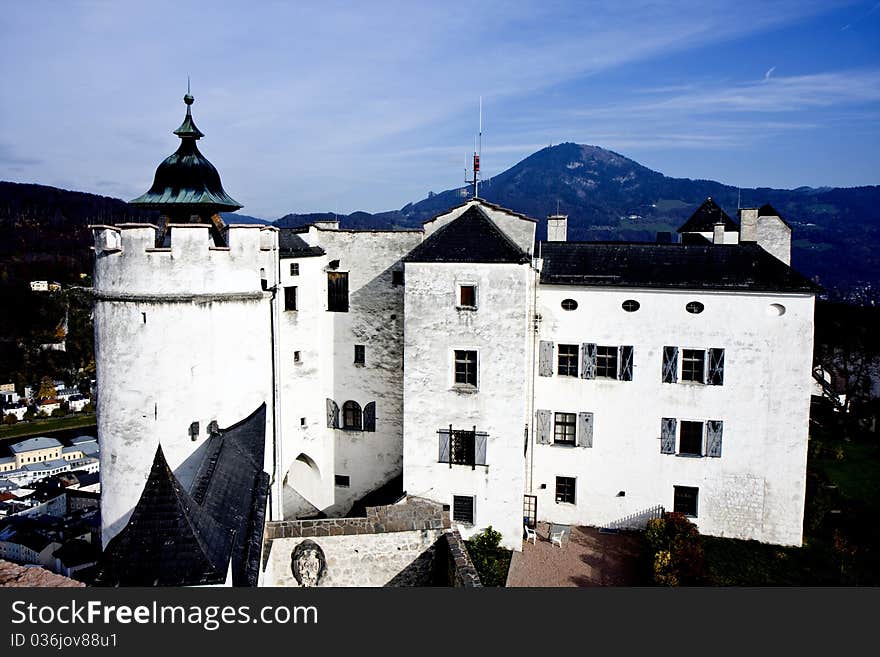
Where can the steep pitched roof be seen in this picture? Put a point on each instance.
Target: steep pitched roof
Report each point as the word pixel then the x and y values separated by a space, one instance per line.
pixel 744 266
pixel 471 237
pixel 768 210
pixel 291 244
pixel 704 218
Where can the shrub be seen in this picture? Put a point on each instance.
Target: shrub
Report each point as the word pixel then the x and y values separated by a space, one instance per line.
pixel 58 412
pixel 676 551
pixel 10 419
pixel 490 560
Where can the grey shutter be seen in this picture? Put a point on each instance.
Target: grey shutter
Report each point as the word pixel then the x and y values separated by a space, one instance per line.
pixel 668 426
pixel 588 353
pixel 332 414
pixel 544 434
pixel 370 417
pixel 481 440
pixel 626 363
pixel 545 358
pixel 444 445
pixel 670 364
pixel 716 367
pixel 585 430
pixel 713 437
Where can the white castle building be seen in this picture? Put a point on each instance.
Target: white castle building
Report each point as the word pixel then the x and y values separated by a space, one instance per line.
pixel 250 374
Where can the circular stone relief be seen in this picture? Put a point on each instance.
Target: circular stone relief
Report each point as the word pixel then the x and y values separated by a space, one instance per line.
pixel 569 304
pixel 308 563
pixel 775 309
pixel 694 307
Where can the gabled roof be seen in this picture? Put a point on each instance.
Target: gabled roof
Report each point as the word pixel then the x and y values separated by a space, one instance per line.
pixel 291 244
pixel 168 541
pixel 40 442
pixel 705 218
pixel 471 237
pixel 768 210
pixel 744 266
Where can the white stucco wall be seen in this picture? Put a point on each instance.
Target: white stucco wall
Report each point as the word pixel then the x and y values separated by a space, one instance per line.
pixel 755 490
pixel 181 335
pixel 499 331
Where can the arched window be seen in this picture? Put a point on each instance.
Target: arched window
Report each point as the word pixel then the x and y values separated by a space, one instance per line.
pixel 351 415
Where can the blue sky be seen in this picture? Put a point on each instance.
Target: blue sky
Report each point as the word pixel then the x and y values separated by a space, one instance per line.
pixel 315 106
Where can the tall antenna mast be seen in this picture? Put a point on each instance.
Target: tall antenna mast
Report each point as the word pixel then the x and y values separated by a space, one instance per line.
pixel 738 198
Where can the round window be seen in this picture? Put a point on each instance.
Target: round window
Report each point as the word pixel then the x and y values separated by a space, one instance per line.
pixel 694 307
pixel 775 309
pixel 569 304
pixel 631 305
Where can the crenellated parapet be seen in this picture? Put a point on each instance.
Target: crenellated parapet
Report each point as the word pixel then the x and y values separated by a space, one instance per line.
pixel 129 264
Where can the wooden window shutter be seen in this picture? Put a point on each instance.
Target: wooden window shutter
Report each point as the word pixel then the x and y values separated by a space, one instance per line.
pixel 585 430
pixel 544 434
pixel 626 363
pixel 716 367
pixel 444 435
pixel 713 437
pixel 588 371
pixel 370 417
pixel 668 426
pixel 332 414
pixel 481 440
pixel 670 364
pixel 545 358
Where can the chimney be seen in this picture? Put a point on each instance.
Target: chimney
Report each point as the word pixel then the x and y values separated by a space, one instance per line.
pixel 748 225
pixel 718 232
pixel 327 224
pixel 557 228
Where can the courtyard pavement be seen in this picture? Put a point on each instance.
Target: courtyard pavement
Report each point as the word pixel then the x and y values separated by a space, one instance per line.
pixel 586 558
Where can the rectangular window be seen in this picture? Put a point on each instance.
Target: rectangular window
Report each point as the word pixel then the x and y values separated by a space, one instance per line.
pixel 342 481
pixel 466 368
pixel 397 277
pixel 685 500
pixel 296 357
pixel 463 509
pixel 337 291
pixel 462 447
pixel 568 360
pixel 564 429
pixel 290 298
pixel 690 441
pixel 360 354
pixel 606 362
pixel 565 490
pixel 693 365
pixel 467 296
pixel 294 269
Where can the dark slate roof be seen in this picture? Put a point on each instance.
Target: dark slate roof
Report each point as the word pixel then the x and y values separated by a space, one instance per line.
pixel 232 487
pixel 705 218
pixel 483 202
pixel 292 245
pixel 743 266
pixel 168 541
pixel 471 237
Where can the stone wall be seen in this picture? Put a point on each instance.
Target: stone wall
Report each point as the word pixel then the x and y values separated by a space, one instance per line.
pixel 460 571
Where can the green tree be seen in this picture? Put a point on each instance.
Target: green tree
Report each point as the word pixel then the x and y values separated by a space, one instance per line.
pixel 10 419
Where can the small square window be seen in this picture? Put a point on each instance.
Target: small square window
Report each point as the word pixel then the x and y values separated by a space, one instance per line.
pixel 397 277
pixel 360 354
pixel 467 296
pixel 568 360
pixel 691 439
pixel 693 365
pixel 565 490
pixel 564 429
pixel 606 362
pixel 297 358
pixel 343 481
pixel 463 509
pixel 294 269
pixel 466 368
pixel 302 422
pixel 290 298
pixel 685 500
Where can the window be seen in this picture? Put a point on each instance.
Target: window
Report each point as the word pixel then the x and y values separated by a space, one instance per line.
pixel 296 357
pixel 194 430
pixel 465 368
pixel 630 305
pixel 569 304
pixel 565 492
pixel 694 307
pixel 337 291
pixel 397 277
pixel 467 296
pixel 606 362
pixel 568 360
pixel 360 354
pixel 290 298
pixel 462 447
pixel 693 365
pixel 463 509
pixel 351 415
pixel 564 429
pixel 690 441
pixel 685 500
pixel 302 422
pixel 294 269
pixel 342 481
